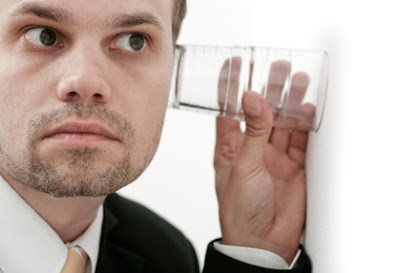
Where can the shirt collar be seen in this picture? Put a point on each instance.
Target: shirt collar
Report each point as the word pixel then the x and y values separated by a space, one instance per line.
pixel 90 240
pixel 24 234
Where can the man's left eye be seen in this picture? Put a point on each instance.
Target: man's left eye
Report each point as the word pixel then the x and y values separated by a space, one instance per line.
pixel 132 42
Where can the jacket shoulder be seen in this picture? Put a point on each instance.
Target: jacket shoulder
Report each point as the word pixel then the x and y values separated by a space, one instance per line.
pixel 142 231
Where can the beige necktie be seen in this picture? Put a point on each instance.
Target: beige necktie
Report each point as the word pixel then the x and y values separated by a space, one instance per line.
pixel 76 261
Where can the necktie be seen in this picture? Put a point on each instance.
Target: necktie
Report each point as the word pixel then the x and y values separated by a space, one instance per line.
pixel 76 261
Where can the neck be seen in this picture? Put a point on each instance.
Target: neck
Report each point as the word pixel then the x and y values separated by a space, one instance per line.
pixel 69 217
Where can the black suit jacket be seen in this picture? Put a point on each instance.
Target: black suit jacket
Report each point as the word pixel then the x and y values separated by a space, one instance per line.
pixel 136 240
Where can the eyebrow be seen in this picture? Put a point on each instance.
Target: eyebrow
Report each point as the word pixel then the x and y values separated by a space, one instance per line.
pixel 58 15
pixel 126 21
pixel 62 16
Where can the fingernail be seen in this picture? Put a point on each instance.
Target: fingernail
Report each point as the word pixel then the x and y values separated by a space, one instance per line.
pixel 252 106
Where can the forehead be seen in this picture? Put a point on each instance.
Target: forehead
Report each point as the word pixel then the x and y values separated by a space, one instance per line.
pixel 92 12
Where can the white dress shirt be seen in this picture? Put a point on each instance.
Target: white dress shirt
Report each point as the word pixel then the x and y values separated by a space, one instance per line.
pixel 29 244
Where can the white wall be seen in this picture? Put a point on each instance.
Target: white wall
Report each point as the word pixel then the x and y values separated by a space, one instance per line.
pixel 353 161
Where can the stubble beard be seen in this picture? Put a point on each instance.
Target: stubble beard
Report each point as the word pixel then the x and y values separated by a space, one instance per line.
pixel 81 177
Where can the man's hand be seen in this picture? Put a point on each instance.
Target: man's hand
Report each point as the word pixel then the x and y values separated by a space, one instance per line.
pixel 260 177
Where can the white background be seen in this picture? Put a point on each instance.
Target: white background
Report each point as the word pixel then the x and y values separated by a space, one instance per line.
pixel 353 161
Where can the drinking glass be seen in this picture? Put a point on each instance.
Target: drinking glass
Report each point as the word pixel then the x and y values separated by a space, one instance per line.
pixel 213 79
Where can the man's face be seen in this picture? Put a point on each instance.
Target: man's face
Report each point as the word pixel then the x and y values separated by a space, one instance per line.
pixel 83 91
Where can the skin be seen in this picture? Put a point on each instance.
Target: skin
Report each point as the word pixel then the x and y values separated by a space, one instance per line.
pixel 260 177
pixel 88 78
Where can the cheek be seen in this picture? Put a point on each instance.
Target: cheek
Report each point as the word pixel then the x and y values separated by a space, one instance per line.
pixel 19 93
pixel 146 112
pixel 22 88
pixel 144 92
pixel 23 83
pixel 144 103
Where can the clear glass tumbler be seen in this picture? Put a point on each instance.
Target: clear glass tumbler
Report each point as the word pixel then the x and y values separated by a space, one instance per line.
pixel 213 79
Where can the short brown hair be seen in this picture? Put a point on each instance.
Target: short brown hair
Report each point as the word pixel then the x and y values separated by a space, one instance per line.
pixel 179 12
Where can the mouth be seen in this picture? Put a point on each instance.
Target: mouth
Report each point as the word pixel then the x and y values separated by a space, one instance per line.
pixel 80 133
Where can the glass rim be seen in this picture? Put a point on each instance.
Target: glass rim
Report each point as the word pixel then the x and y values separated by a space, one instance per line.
pixel 320 51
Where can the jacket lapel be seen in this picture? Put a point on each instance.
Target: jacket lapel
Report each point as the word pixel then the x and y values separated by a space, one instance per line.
pixel 112 257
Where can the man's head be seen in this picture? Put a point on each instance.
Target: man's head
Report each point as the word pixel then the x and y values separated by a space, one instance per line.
pixel 179 12
pixel 83 90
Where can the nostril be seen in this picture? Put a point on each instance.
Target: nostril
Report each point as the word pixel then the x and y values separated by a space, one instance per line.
pixel 73 93
pixel 97 95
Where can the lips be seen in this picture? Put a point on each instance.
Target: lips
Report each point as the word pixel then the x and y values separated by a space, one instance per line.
pixel 81 130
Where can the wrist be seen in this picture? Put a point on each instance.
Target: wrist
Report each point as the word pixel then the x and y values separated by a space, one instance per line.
pixel 287 253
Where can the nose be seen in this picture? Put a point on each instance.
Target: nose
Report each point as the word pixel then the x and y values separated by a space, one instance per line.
pixel 85 78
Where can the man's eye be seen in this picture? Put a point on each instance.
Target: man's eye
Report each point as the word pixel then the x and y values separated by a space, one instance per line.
pixel 42 36
pixel 132 42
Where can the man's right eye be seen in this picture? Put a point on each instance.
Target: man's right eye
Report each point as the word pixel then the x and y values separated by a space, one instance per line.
pixel 42 36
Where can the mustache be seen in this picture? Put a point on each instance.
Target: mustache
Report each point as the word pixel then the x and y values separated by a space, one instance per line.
pixel 45 120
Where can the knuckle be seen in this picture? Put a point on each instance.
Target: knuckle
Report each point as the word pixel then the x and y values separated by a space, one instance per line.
pixel 255 130
pixel 225 151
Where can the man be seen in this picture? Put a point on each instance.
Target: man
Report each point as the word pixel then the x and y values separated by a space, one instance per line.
pixel 84 87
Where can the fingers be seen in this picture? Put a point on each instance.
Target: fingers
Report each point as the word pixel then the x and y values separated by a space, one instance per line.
pixel 229 137
pixel 227 142
pixel 280 138
pixel 258 118
pixel 306 116
pixel 228 130
pixel 304 112
pixel 300 116
pixel 298 146
pixel 298 88
pixel 295 114
pixel 279 73
pixel 228 86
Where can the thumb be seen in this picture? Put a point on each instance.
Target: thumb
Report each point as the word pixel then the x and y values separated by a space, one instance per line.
pixel 259 121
